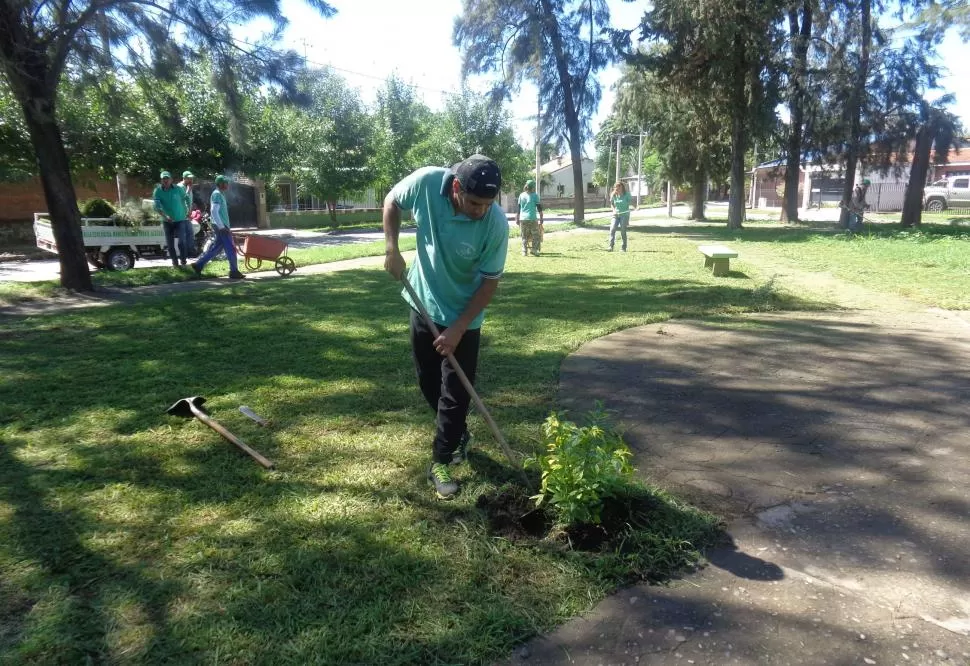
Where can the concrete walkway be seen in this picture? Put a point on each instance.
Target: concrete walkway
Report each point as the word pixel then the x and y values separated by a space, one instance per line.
pixel 838 447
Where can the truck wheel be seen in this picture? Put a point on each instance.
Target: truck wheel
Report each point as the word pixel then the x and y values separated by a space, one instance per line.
pixel 936 205
pixel 119 259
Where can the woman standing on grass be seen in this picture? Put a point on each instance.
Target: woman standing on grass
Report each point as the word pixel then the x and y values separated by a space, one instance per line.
pixel 620 202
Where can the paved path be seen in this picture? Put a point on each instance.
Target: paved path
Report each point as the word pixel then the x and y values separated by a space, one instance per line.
pixel 838 446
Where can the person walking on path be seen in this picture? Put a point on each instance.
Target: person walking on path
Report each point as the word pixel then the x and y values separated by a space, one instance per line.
pixel 170 201
pixel 620 202
pixel 530 224
pixel 219 214
pixel 462 242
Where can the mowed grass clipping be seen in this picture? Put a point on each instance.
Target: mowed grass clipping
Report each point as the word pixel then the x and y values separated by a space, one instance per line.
pixel 130 536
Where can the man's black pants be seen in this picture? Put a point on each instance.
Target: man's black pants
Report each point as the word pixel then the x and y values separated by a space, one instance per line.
pixel 440 384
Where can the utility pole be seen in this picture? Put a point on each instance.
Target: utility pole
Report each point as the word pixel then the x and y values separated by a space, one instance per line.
pixel 639 169
pixel 609 158
pixel 619 147
pixel 305 44
pixel 754 176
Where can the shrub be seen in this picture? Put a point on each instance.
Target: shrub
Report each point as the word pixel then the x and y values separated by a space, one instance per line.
pixel 97 208
pixel 582 466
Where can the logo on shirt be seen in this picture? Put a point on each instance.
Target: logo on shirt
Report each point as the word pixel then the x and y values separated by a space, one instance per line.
pixel 466 250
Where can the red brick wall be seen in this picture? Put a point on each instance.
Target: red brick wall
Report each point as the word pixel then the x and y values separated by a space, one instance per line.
pixel 19 201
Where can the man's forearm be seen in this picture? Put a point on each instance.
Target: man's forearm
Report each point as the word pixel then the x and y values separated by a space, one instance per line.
pixel 481 298
pixel 392 224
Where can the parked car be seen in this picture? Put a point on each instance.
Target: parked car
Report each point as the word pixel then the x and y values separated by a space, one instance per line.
pixel 952 192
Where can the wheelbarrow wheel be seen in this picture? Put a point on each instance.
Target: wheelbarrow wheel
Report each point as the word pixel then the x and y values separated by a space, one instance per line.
pixel 253 263
pixel 285 266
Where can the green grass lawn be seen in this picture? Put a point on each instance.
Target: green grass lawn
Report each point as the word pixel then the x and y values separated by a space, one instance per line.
pixel 130 536
pixel 930 265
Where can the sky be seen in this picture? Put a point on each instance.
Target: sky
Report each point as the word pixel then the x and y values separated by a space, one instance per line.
pixel 368 40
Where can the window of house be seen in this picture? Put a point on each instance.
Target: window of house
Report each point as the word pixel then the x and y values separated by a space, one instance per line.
pixel 590 188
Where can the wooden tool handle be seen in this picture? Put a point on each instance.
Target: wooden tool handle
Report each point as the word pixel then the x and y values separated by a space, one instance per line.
pixel 212 423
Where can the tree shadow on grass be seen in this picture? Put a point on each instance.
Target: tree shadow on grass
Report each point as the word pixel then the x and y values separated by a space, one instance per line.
pixel 78 578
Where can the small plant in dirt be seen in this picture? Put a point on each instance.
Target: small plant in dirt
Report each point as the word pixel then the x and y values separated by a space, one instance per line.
pixel 582 466
pixel 96 208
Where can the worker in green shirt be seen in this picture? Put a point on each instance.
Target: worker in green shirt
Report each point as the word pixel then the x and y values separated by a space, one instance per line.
pixel 219 212
pixel 170 203
pixel 620 202
pixel 462 242
pixel 529 219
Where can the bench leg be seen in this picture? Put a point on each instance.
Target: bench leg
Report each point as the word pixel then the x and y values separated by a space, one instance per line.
pixel 722 266
pixel 708 262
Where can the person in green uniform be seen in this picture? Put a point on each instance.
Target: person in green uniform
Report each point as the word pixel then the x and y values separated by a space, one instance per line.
pixel 170 203
pixel 529 219
pixel 620 202
pixel 462 242
pixel 219 213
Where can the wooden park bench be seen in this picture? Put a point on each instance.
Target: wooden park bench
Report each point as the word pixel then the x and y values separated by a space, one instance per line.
pixel 718 257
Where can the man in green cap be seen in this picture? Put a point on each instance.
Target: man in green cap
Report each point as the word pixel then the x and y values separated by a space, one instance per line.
pixel 529 219
pixel 170 202
pixel 463 238
pixel 219 212
pixel 186 184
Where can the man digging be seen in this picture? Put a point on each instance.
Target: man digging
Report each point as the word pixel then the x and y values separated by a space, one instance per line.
pixel 462 241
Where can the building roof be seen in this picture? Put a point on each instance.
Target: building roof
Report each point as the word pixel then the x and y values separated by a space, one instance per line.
pixel 558 164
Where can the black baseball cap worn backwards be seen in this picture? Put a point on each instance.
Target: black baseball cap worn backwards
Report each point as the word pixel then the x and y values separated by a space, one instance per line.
pixel 479 175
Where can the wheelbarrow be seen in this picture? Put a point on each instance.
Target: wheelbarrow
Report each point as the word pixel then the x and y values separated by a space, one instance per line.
pixel 257 249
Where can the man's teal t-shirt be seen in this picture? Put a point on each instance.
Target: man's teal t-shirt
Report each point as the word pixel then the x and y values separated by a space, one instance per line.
pixel 455 253
pixel 222 208
pixel 528 206
pixel 171 202
pixel 622 202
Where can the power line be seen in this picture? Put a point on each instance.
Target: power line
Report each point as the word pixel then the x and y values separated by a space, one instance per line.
pixel 308 62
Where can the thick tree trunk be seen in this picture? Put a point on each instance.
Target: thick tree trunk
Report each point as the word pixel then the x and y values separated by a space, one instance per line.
pixel 800 36
pixel 55 176
pixel 32 78
pixel 700 195
pixel 913 203
pixel 579 195
pixel 855 140
pixel 570 112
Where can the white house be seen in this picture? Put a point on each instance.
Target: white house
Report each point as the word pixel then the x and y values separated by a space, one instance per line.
pixel 557 178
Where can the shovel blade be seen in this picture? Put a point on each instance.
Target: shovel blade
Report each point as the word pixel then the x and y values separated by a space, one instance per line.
pixel 183 407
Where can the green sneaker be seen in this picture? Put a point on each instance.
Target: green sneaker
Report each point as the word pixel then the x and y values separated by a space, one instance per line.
pixel 440 477
pixel 461 453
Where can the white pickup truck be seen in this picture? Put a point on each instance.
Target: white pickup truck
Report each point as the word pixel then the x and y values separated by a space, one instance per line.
pixel 952 192
pixel 108 245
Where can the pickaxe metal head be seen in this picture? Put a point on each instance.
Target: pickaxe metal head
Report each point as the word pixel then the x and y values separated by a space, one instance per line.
pixel 184 406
